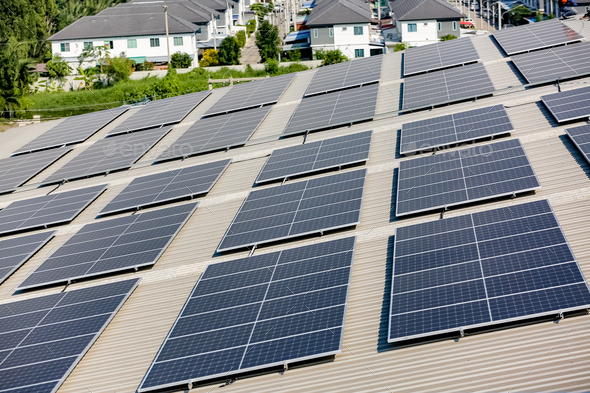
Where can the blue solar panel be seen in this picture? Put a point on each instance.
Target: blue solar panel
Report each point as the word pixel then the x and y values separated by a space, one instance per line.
pixel 581 137
pixel 16 251
pixel 482 269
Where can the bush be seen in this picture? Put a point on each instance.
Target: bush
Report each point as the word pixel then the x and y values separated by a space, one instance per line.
pixel 145 66
pixel 241 38
pixel 181 60
pixel 319 54
pixel 271 66
pixel 294 55
pixel 118 68
pixel 447 37
pixel 229 52
pixel 58 67
pixel 250 27
pixel 400 47
pixel 334 56
pixel 209 58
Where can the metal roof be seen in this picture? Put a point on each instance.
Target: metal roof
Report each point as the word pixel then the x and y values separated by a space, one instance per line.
pixel 424 9
pixel 331 12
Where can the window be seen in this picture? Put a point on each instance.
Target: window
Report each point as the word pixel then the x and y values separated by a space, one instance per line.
pixel 454 25
pixel 178 41
pixel 315 33
pixel 108 44
pixel 65 47
pixel 359 53
pixel 330 31
pixel 425 24
pixel 358 30
pixel 218 16
pixel 412 27
pixel 131 43
pixel 88 46
pixel 198 31
pixel 154 42
pixel 439 26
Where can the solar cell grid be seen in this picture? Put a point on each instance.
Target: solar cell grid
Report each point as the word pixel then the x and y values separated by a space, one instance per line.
pixel 569 105
pixel 258 312
pixel 16 251
pixel 73 129
pixel 424 135
pixel 343 75
pixel 581 138
pixel 464 176
pixel 47 210
pixel 316 156
pixel 112 245
pixel 439 55
pixel 161 112
pixel 296 209
pixel 482 269
pixel 44 338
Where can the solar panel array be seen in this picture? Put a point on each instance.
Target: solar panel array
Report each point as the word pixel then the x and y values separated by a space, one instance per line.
pixel 439 55
pixel 439 87
pixel 16 251
pixel 423 135
pixel 73 129
pixel 252 94
pixel 556 63
pixel 16 171
pixel 161 113
pixel 47 210
pixel 167 186
pixel 108 155
pixel 348 74
pixel 44 338
pixel 214 133
pixel 334 109
pixel 569 105
pixel 316 156
pixel 112 245
pixel 297 209
pixel 535 36
pixel 258 312
pixel 482 269
pixel 581 138
pixel 463 176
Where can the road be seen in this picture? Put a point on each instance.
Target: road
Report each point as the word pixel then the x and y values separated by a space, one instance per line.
pixel 250 52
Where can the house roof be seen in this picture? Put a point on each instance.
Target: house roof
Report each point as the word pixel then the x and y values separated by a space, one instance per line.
pixel 99 26
pixel 186 10
pixel 423 10
pixel 218 5
pixel 331 12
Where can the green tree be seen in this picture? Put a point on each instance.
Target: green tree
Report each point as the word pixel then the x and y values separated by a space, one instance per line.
pixel 271 66
pixel 241 38
pixel 268 41
pixel 261 11
pixel 181 60
pixel 118 68
pixel 448 37
pixel 334 56
pixel 87 76
pixel 58 68
pixel 319 54
pixel 400 47
pixel 517 13
pixel 169 85
pixel 294 55
pixel 209 58
pixel 229 51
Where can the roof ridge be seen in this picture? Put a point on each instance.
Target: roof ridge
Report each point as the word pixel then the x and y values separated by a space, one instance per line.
pixel 184 22
pixel 413 8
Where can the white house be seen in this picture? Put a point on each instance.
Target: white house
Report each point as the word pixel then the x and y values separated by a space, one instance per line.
pixel 422 22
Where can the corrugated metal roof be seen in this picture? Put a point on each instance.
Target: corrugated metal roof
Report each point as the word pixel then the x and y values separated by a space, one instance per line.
pixel 542 357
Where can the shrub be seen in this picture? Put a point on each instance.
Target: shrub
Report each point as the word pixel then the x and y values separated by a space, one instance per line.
pixel 181 60
pixel 334 56
pixel 58 67
pixel 209 58
pixel 229 52
pixel 295 55
pixel 271 66
pixel 447 37
pixel 319 54
pixel 118 68
pixel 400 47
pixel 250 27
pixel 145 66
pixel 241 38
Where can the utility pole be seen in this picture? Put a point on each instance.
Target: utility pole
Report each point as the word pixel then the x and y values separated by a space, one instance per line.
pixel 480 15
pixel 167 38
pixel 499 16
pixel 214 22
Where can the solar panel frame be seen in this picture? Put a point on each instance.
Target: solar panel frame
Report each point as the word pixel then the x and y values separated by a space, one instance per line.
pixel 10 181
pixel 8 250
pixel 251 265
pixel 72 130
pixel 285 190
pixel 342 106
pixel 106 149
pixel 450 83
pixel 430 57
pixel 176 108
pixel 23 211
pixel 111 208
pixel 297 160
pixel 336 76
pixel 503 146
pixel 54 305
pixel 580 136
pixel 569 105
pixel 471 225
pixel 107 228
pixel 479 115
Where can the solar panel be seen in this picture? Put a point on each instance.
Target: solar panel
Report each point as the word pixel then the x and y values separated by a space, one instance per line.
pixel 16 251
pixel 316 156
pixel 252 94
pixel 73 129
pixel 482 269
pixel 47 210
pixel 161 112
pixel 463 176
pixel 167 186
pixel 297 209
pixel 109 246
pixel 258 312
pixel 569 105
pixel 424 135
pixel 16 171
pixel 44 338
pixel 453 84
pixel 340 76
pixel 563 62
pixel 214 133
pixel 581 138
pixel 334 109
pixel 109 155
pixel 535 36
pixel 440 55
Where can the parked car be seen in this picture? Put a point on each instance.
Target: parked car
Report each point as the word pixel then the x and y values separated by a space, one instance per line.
pixel 474 7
